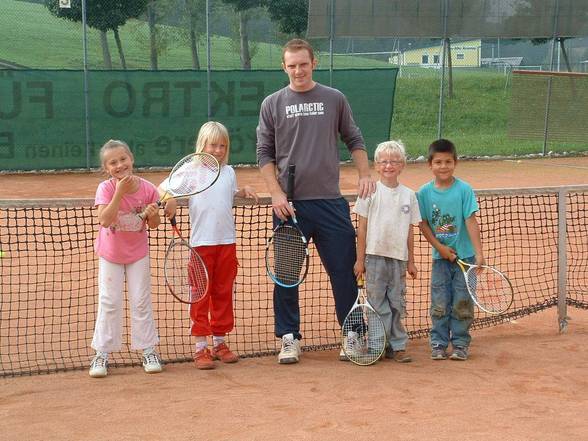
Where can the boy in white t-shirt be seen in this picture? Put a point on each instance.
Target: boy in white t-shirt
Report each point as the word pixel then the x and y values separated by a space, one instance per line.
pixel 385 245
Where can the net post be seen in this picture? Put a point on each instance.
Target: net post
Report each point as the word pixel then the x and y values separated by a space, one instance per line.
pixel 562 260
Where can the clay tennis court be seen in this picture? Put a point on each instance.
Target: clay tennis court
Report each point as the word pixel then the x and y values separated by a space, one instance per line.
pixel 524 380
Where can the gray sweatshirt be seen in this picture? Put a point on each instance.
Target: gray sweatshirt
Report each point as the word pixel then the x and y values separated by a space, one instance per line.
pixel 301 128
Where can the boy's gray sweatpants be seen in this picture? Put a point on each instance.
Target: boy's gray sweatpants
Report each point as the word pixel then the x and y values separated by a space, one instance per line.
pixel 386 292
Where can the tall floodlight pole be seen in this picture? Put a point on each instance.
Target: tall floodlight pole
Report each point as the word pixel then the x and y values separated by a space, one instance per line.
pixel 442 85
pixel 208 57
pixel 550 79
pixel 86 88
pixel 331 42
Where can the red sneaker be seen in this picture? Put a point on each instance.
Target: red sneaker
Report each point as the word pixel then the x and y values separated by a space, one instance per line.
pixel 224 354
pixel 203 359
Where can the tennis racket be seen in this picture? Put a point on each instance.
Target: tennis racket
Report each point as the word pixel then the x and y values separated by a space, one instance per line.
pixel 286 252
pixel 185 273
pixel 490 290
pixel 191 175
pixel 364 335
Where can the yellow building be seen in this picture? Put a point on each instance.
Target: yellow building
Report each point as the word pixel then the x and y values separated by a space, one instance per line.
pixel 463 54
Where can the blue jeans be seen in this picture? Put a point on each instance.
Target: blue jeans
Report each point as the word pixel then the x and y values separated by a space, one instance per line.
pixel 452 309
pixel 328 223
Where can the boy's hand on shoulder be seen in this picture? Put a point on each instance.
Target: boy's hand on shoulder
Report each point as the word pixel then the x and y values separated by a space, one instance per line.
pixel 366 186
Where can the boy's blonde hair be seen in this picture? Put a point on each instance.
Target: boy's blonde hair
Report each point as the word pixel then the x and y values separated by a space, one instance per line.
pixel 210 132
pixel 114 144
pixel 391 148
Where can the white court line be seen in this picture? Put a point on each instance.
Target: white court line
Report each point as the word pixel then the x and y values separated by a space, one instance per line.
pixel 581 167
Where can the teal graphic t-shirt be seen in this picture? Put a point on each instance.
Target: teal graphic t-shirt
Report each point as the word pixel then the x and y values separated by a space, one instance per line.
pixel 446 211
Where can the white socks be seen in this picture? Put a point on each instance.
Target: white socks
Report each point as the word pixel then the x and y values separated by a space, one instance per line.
pixel 202 342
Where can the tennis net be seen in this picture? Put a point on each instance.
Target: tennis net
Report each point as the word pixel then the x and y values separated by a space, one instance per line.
pixel 49 287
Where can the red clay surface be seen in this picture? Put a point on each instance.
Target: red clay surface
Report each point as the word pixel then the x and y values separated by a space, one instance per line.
pixel 480 174
pixel 524 380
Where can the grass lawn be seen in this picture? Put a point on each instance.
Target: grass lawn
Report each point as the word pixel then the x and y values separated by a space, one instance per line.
pixel 476 117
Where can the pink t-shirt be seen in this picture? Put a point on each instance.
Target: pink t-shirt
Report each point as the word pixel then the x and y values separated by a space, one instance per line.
pixel 125 241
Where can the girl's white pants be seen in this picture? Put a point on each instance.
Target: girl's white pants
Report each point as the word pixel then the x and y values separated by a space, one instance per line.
pixel 109 320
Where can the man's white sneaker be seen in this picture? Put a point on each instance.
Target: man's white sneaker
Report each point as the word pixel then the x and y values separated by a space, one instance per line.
pixel 290 352
pixel 99 365
pixel 151 362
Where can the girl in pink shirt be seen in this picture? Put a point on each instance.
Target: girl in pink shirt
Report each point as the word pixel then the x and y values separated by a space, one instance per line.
pixel 122 249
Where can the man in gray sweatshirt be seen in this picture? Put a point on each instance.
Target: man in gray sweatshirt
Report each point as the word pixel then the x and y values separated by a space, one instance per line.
pixel 299 125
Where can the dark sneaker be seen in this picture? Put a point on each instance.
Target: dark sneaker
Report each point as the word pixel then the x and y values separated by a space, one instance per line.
pixel 438 353
pixel 399 356
pixel 459 353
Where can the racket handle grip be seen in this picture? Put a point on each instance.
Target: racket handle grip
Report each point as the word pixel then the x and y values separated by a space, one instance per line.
pixel 360 281
pixel 142 215
pixel 290 184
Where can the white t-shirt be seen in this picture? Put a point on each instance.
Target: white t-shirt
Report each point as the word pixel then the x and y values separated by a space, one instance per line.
pixel 389 213
pixel 211 212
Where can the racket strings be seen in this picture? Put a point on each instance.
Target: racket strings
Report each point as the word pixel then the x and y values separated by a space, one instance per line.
pixel 287 254
pixel 364 335
pixel 491 290
pixel 197 277
pixel 193 175
pixel 185 273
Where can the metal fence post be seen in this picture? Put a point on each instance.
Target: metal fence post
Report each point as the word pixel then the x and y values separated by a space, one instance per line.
pixel 562 264
pixel 442 85
pixel 86 87
pixel 546 121
pixel 331 42
pixel 208 57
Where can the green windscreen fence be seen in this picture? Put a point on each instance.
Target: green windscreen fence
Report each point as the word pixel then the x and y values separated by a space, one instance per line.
pixel 549 105
pixel 158 113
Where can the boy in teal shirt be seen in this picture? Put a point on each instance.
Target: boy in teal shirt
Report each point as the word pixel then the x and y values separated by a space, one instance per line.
pixel 448 208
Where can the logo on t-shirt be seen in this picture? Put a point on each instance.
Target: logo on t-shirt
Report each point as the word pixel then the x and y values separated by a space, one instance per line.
pixel 405 209
pixel 305 109
pixel 443 224
pixel 129 221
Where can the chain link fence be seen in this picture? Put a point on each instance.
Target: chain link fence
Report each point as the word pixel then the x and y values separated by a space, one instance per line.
pixel 173 64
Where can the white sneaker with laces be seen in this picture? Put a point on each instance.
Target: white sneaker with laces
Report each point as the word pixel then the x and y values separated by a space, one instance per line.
pixel 99 365
pixel 151 362
pixel 290 352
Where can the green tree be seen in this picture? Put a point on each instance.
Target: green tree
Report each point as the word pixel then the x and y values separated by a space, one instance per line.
pixel 195 13
pixel 290 15
pixel 103 15
pixel 243 9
